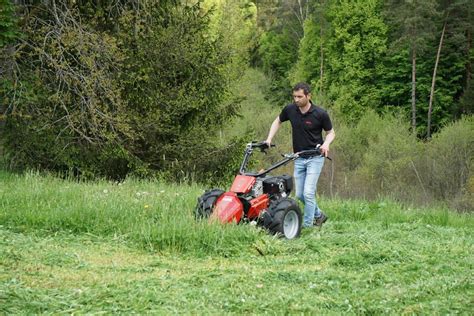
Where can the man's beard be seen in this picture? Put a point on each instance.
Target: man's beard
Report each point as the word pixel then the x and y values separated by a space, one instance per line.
pixel 301 104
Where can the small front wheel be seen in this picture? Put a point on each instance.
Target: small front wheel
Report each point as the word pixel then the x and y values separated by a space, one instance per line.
pixel 286 219
pixel 206 203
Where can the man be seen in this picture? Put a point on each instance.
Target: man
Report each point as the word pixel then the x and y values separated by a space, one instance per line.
pixel 307 123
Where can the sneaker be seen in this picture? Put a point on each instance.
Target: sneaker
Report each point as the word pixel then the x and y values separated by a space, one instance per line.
pixel 319 221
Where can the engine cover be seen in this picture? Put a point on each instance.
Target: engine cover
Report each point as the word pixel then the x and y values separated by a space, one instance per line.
pixel 280 184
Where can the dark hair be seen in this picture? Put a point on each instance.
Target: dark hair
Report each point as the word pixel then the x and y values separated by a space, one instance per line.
pixel 302 86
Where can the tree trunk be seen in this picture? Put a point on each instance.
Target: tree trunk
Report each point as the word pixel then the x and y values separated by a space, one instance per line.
pixel 413 90
pixel 430 106
pixel 301 16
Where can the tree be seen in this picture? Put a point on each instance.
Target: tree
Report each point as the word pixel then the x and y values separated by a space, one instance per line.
pixel 65 105
pixel 234 24
pixel 8 35
pixel 412 24
pixel 452 61
pixel 356 48
pixel 144 92
pixel 175 79
pixel 312 49
pixel 295 13
pixel 466 105
pixel 430 105
pixel 281 27
pixel 8 28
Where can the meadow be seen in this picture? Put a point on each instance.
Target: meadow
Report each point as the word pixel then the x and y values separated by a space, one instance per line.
pixel 134 247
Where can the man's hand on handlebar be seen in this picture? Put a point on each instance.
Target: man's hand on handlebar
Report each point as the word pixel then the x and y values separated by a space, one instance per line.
pixel 269 143
pixel 324 148
pixel 263 146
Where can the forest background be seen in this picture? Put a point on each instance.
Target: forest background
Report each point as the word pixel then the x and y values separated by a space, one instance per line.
pixel 174 89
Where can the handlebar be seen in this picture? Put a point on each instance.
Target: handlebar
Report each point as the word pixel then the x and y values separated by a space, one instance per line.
pixel 311 152
pixel 263 146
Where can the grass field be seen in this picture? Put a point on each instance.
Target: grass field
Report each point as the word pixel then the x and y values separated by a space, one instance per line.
pixel 102 247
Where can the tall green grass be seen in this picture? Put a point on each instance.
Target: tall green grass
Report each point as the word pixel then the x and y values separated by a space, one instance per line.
pixel 159 216
pixel 154 214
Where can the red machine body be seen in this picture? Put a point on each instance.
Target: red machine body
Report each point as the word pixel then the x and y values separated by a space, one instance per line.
pixel 228 208
pixel 231 207
pixel 257 205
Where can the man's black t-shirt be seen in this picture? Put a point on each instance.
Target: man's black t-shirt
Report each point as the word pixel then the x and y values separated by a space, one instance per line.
pixel 307 128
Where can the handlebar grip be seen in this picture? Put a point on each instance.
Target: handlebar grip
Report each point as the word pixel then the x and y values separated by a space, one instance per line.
pixel 262 145
pixel 310 152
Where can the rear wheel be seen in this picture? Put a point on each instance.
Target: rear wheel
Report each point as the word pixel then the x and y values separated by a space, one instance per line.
pixel 286 219
pixel 206 203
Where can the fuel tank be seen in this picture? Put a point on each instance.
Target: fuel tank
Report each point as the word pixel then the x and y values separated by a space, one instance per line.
pixel 242 184
pixel 228 208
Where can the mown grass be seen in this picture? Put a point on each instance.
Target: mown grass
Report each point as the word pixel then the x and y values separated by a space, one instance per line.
pixel 69 247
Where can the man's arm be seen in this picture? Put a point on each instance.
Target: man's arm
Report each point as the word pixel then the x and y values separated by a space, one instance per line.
pixel 330 135
pixel 273 130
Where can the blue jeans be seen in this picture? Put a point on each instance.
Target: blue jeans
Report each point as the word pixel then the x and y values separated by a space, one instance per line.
pixel 307 171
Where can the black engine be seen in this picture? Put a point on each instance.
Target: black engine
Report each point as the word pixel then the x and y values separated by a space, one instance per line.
pixel 278 185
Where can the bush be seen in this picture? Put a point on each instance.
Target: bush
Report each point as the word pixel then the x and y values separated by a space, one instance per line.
pixel 146 96
pixel 449 163
pixel 65 109
pixel 368 157
pixel 379 156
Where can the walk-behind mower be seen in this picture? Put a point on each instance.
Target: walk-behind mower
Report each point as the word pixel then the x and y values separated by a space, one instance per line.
pixel 257 197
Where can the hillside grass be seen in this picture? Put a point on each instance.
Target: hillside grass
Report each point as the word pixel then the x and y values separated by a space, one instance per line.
pixel 134 247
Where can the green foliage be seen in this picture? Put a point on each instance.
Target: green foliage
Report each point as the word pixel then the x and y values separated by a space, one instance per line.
pixel 387 164
pixel 373 155
pixel 233 24
pixel 379 157
pixel 312 53
pixel 358 55
pixel 177 95
pixel 281 29
pixel 356 50
pixel 395 82
pixel 65 109
pixel 142 97
pixel 307 68
pixel 278 55
pixel 8 27
pixel 466 104
pixel 413 23
pixel 454 74
pixel 353 141
pixel 450 162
